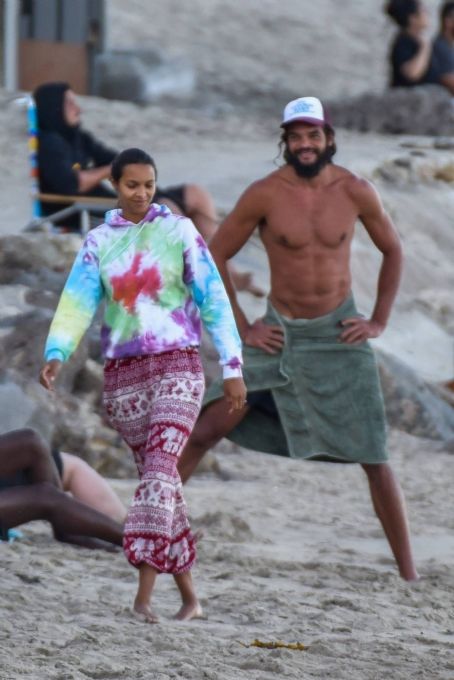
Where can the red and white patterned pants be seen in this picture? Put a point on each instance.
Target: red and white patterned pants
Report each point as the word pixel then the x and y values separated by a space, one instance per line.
pixel 153 401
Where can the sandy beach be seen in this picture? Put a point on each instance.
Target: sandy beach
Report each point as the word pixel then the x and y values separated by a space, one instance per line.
pixel 292 552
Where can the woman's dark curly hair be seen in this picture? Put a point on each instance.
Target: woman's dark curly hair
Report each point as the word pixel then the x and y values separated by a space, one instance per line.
pixel 401 10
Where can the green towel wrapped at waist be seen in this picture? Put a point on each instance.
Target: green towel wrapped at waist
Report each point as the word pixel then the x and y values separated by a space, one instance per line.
pixel 317 398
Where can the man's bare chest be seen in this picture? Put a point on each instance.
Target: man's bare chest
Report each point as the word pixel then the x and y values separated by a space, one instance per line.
pixel 300 221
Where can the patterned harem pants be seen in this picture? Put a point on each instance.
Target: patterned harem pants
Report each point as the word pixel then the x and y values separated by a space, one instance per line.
pixel 153 401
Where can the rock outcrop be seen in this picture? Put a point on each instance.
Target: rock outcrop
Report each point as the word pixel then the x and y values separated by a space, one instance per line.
pixel 425 110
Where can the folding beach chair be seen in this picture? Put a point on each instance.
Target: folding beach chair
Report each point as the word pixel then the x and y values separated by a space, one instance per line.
pixel 77 205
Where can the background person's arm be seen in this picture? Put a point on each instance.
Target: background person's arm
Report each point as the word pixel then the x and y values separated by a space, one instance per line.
pixel 102 157
pixel 89 179
pixel 413 69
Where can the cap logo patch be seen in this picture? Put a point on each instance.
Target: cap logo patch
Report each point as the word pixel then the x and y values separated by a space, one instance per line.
pixel 303 107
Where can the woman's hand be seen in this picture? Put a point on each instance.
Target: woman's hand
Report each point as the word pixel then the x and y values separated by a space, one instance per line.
pixel 49 373
pixel 235 393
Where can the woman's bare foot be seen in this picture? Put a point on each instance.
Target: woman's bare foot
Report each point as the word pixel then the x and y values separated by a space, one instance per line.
pixel 144 613
pixel 189 611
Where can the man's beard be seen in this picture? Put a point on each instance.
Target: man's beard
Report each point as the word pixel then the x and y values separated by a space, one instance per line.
pixel 309 170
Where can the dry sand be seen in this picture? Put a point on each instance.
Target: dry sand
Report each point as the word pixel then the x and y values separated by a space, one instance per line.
pixel 292 551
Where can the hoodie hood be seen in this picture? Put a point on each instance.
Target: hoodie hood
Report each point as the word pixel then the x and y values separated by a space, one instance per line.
pixel 114 218
pixel 49 100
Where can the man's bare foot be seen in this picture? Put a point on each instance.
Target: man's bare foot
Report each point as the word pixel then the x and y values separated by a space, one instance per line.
pixel 189 611
pixel 144 613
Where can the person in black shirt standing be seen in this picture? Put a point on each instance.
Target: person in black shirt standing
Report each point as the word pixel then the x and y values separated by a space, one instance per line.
pixel 411 50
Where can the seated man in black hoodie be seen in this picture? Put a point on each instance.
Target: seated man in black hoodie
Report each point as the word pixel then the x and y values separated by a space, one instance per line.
pixel 72 162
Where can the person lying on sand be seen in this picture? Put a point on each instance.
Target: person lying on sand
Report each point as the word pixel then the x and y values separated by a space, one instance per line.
pixel 31 488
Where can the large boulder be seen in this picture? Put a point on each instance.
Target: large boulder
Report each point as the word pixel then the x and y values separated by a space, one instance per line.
pixel 413 405
pixel 425 110
pixel 142 76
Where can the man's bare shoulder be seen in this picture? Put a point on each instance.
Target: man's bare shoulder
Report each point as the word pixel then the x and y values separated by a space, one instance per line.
pixel 359 189
pixel 264 183
pixel 356 185
pixel 260 188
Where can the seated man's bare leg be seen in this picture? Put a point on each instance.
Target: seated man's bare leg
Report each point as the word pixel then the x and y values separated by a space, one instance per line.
pixel 173 207
pixel 214 423
pixel 201 210
pixel 85 484
pixel 389 504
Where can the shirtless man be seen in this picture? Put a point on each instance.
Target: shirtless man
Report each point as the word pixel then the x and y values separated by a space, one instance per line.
pixel 308 363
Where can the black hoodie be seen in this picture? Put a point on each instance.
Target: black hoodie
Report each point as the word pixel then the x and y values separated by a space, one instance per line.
pixel 64 149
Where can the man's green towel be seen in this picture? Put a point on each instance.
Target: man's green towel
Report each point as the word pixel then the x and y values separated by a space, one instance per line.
pixel 327 397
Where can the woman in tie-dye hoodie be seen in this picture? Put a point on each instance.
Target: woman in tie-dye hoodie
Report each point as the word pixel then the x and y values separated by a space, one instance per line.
pixel 159 283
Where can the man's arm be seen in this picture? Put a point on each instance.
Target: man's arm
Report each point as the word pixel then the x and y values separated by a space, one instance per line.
pixel 232 234
pixel 89 179
pixel 102 157
pixel 57 173
pixel 384 235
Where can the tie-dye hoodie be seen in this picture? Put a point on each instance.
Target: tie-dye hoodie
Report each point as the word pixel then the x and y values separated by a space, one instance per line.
pixel 159 282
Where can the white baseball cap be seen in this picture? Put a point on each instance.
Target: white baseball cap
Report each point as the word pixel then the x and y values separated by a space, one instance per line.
pixel 306 110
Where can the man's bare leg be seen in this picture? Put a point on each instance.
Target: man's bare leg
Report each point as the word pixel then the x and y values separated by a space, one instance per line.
pixel 191 607
pixel 389 504
pixel 142 602
pixel 199 206
pixel 214 423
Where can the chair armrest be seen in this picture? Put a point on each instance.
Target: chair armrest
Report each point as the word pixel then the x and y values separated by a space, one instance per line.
pixel 85 200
